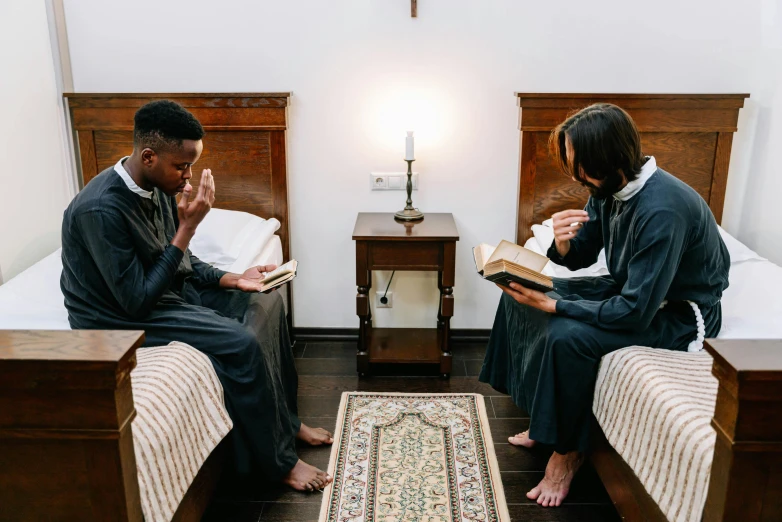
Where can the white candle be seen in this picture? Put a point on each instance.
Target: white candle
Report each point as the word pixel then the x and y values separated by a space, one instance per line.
pixel 409 156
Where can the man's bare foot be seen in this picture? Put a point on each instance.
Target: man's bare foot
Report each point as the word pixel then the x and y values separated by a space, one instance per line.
pixel 555 485
pixel 304 477
pixel 522 439
pixel 314 436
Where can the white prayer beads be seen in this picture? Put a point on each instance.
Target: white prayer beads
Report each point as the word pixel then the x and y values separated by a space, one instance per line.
pixel 697 344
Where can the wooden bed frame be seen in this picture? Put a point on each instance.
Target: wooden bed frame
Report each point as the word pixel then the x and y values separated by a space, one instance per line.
pixel 66 405
pixel 690 136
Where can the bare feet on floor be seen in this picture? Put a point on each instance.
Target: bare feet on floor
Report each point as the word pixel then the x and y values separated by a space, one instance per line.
pixel 304 477
pixel 555 485
pixel 314 436
pixel 522 439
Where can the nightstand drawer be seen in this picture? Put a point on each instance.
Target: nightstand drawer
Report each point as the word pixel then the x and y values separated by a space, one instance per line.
pixel 403 255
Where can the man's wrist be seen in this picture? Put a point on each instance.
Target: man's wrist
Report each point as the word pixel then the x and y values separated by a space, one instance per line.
pixel 182 237
pixel 230 280
pixel 562 247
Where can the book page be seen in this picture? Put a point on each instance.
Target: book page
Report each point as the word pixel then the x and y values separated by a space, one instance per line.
pixel 482 253
pixel 279 281
pixel 280 271
pixel 519 255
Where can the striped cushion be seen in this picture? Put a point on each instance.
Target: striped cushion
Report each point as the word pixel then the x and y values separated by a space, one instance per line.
pixel 655 407
pixel 180 419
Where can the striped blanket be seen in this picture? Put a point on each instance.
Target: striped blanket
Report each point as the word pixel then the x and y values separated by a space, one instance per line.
pixel 180 419
pixel 655 407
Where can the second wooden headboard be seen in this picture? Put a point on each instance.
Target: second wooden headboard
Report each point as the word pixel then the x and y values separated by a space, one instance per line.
pixel 690 136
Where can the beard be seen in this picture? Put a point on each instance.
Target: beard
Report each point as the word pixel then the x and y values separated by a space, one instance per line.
pixel 608 188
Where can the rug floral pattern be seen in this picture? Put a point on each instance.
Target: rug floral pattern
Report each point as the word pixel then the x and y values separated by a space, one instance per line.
pixel 413 458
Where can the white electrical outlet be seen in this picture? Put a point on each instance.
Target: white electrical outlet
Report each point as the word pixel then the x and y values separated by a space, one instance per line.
pixel 378 182
pixel 391 181
pixel 389 300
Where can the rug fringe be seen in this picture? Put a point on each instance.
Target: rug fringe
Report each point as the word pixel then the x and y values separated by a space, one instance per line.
pixel 328 491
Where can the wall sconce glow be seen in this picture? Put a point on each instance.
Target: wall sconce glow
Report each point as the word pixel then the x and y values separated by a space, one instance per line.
pixel 393 111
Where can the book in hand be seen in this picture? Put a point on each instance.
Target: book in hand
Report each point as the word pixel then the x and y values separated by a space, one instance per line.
pixel 279 276
pixel 508 262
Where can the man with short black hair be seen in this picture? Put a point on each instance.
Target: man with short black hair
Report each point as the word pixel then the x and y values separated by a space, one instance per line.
pixel 126 266
pixel 668 268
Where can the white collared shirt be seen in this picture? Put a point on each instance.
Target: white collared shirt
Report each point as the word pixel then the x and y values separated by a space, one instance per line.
pixel 633 187
pixel 129 181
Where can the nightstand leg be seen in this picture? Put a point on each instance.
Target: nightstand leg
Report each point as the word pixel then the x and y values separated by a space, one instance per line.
pixel 444 325
pixel 363 282
pixel 364 325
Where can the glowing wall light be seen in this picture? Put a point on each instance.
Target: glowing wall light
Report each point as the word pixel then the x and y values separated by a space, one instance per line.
pixel 392 110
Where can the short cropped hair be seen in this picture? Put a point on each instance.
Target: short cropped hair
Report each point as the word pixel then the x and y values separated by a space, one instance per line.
pixel 605 142
pixel 162 125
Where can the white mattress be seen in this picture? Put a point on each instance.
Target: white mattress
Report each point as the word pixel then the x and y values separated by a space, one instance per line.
pixel 33 301
pixel 750 306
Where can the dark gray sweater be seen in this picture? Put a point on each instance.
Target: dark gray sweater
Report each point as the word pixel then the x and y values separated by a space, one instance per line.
pixel 116 254
pixel 661 244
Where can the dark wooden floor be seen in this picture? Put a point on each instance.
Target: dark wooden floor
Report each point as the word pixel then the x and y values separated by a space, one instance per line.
pixel 328 369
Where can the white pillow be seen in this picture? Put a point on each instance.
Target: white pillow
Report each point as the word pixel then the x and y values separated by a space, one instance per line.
pixel 738 251
pixel 226 235
pixel 544 236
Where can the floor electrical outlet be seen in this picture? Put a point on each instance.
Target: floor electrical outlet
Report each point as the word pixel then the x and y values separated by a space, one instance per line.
pixel 389 300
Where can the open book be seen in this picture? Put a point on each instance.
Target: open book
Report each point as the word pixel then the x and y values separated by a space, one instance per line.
pixel 279 276
pixel 510 262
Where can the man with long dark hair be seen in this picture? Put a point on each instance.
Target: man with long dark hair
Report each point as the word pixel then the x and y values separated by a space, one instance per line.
pixel 127 266
pixel 668 268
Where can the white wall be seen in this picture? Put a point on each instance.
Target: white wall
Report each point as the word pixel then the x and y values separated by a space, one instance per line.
pixel 34 175
pixel 363 72
pixel 755 186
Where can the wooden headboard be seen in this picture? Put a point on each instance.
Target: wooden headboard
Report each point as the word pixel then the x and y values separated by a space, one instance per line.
pixel 690 136
pixel 244 144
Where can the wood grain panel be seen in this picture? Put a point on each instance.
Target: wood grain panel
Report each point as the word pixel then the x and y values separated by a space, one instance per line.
pixel 529 154
pixel 748 451
pixel 279 190
pixel 241 164
pixel 688 156
pixel 669 100
pixel 187 99
pixel 121 118
pixel 110 146
pixel 66 407
pixel 397 255
pixel 647 120
pixel 720 181
pixel 88 164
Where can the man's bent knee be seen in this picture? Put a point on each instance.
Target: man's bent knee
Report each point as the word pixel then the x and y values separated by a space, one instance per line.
pixel 564 331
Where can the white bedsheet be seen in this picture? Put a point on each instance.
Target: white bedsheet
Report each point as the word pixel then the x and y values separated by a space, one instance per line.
pixel 33 301
pixel 751 308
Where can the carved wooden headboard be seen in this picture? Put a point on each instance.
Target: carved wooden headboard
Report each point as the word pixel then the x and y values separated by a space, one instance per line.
pixel 690 136
pixel 244 144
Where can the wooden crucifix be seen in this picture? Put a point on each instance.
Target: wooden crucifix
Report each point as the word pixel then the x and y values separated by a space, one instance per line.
pixel 414 8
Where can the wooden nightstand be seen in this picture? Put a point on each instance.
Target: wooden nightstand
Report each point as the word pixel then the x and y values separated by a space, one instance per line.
pixel 383 243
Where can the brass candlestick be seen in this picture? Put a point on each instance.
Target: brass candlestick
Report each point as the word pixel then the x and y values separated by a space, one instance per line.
pixel 409 213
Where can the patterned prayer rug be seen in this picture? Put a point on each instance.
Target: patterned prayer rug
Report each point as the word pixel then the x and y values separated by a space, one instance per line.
pixel 404 457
